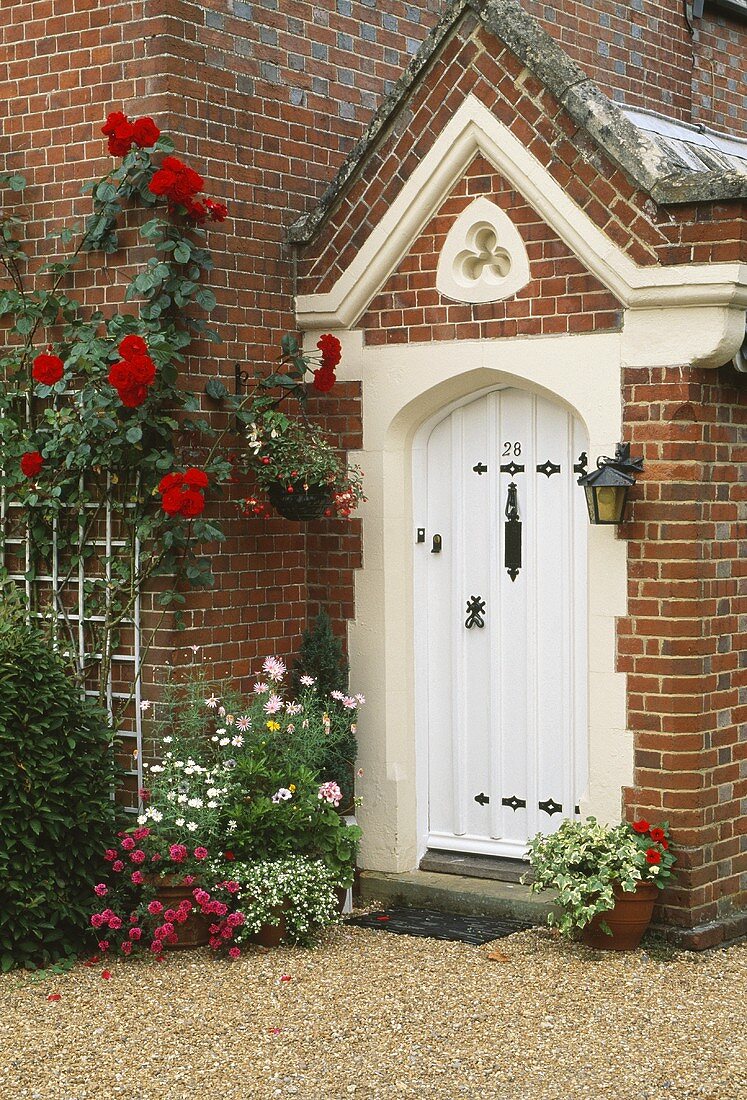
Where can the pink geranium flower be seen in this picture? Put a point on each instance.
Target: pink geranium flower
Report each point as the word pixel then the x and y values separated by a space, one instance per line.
pixel 136 933
pixel 201 853
pixel 101 890
pixel 115 922
pixel 137 878
pixel 154 908
pixel 110 855
pixel 126 947
pixel 118 865
pixel 128 843
pixel 234 952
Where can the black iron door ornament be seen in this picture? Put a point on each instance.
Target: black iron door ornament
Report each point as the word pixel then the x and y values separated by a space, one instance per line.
pixel 548 468
pixel 475 612
pixel 580 466
pixel 512 469
pixel 514 803
pixel 512 541
pixel 480 468
pixel 550 806
pixel 482 799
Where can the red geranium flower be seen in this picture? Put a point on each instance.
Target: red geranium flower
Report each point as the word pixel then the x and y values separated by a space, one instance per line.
pixel 47 369
pixel 641 826
pixel 31 463
pixel 145 133
pixel 132 345
pixel 653 856
pixel 658 835
pixel 120 132
pixel 324 379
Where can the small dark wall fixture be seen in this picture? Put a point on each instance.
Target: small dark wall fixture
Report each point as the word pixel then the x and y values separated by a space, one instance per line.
pixel 607 486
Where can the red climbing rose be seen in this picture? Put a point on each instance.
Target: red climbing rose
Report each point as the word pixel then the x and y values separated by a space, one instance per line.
pixel 145 133
pixel 331 350
pixel 47 369
pixel 324 379
pixel 175 181
pixel 31 463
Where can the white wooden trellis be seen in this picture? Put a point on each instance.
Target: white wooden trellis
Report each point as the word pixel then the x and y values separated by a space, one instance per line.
pixel 79 617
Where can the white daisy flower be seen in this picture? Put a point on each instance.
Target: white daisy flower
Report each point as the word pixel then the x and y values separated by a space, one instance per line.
pixel 212 702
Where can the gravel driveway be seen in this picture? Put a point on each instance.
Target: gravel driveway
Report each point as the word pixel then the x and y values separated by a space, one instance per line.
pixel 372 1015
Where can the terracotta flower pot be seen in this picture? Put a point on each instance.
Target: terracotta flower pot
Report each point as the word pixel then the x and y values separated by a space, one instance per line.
pixel 628 920
pixel 271 935
pixel 301 504
pixel 195 930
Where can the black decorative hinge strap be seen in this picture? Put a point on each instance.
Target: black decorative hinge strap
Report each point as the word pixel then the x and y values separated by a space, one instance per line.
pixel 548 468
pixel 550 806
pixel 512 540
pixel 482 799
pixel 480 468
pixel 580 466
pixel 514 803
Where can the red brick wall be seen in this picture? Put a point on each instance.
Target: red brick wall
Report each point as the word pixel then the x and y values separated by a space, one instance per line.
pixel 475 63
pixel 683 644
pixel 561 297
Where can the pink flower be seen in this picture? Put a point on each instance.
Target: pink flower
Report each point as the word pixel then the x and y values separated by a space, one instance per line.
pixel 232 887
pixel 331 793
pixel 168 928
pixel 154 908
pixel 155 858
pixel 137 856
pixel 260 688
pixel 220 908
pixel 133 918
pixel 140 834
pixel 143 794
pixel 118 865
pixel 201 896
pixel 126 947
pixel 234 952
pixel 169 915
pixel 216 942
pixel 201 853
pixel 110 855
pixel 172 939
pixel 178 853
pixel 181 916
pixel 107 914
pixel 137 878
pixel 226 931
pixel 235 919
pixel 101 890
pixel 97 920
pixel 103 945
pixel 273 705
pixel 136 933
pixel 115 922
pixel 274 667
pixel 106 974
pixel 128 843
pixel 156 947
pixel 214 929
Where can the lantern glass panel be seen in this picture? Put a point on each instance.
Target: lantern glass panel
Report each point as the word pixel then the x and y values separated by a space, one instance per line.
pixel 606 503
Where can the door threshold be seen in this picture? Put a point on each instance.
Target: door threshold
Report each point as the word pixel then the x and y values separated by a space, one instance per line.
pixel 499 868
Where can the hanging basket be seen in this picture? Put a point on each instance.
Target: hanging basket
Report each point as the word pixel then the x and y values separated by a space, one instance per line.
pixel 303 503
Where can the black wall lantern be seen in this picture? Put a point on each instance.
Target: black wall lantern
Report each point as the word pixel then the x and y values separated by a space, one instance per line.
pixel 607 487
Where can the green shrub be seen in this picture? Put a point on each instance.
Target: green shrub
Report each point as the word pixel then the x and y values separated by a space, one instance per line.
pixel 321 657
pixel 56 776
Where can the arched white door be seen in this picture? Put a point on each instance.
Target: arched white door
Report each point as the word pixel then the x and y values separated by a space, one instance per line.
pixel 500 621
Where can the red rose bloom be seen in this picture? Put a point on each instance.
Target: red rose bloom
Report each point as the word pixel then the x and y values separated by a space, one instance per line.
pixel 133 396
pixel 331 350
pixel 170 481
pixel 196 479
pixel 142 369
pixel 31 463
pixel 641 826
pixel 657 835
pixel 133 345
pixel 217 211
pixel 175 181
pixel 193 503
pixel 652 856
pixel 120 132
pixel 47 369
pixel 171 501
pixel 324 379
pixel 195 210
pixel 131 377
pixel 145 133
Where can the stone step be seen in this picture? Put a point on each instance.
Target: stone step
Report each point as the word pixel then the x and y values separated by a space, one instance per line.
pixel 455 894
pixel 473 866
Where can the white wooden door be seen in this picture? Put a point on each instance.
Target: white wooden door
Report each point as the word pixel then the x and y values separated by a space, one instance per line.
pixel 501 642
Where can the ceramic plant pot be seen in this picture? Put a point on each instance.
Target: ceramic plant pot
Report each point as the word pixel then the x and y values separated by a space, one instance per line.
pixel 303 503
pixel 195 930
pixel 628 920
pixel 271 935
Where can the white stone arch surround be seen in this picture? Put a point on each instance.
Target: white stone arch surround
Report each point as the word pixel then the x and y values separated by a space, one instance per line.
pixel 403 387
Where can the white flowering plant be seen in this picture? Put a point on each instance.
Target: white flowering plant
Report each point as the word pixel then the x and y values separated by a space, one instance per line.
pixel 297 890
pixel 584 860
pixel 185 800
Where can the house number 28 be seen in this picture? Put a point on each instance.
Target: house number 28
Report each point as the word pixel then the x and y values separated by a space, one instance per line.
pixel 512 449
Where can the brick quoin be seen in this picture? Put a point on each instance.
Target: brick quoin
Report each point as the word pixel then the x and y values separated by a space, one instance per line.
pixel 684 642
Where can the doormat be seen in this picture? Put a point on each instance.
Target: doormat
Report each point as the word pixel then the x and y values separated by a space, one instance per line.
pixel 440 926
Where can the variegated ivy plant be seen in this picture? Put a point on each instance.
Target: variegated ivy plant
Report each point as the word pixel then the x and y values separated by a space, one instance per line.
pixel 584 860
